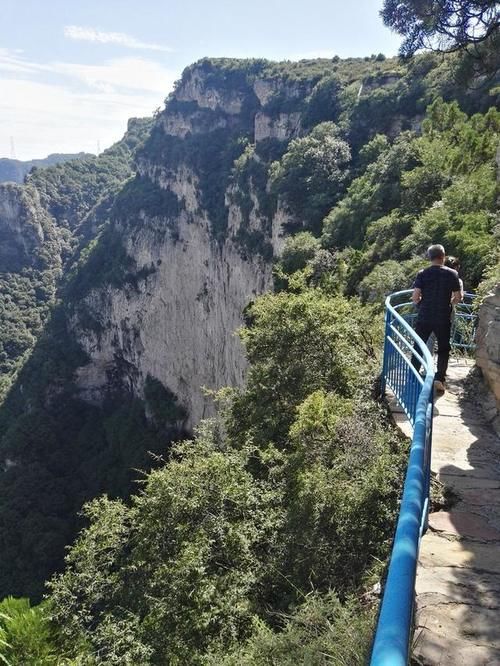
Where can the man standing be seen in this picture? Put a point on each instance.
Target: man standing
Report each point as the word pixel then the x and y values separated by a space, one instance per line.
pixel 436 289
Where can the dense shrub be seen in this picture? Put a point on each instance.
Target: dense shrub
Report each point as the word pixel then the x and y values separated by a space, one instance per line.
pixel 311 176
pixel 235 531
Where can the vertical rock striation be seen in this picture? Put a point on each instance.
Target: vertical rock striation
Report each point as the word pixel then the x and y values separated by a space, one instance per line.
pixel 189 248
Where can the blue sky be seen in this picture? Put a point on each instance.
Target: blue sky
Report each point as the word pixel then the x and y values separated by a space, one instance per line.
pixel 72 72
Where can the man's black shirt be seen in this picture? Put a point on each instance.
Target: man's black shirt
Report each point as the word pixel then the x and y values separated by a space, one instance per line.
pixel 436 284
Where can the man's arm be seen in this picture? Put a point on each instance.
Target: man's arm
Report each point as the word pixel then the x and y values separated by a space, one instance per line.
pixel 457 295
pixel 416 296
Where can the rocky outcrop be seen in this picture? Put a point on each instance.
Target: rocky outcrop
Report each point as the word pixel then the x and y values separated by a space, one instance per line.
pixel 198 88
pixel 488 350
pixel 23 225
pixel 177 323
pixel 284 126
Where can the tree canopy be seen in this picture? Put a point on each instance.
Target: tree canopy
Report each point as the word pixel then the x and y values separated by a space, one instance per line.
pixel 444 25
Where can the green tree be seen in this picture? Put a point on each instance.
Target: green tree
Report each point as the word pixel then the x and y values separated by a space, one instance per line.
pixel 312 174
pixel 297 344
pixel 27 637
pixel 323 630
pixel 179 569
pixel 445 26
pixel 370 196
pixel 298 250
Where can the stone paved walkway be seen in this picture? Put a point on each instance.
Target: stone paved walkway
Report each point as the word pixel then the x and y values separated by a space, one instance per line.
pixel 457 620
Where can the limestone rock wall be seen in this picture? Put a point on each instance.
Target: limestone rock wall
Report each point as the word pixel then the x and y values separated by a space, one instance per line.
pixel 21 226
pixel 178 322
pixel 488 350
pixel 179 325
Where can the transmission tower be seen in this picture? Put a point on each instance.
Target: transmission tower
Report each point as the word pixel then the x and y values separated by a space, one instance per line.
pixel 12 148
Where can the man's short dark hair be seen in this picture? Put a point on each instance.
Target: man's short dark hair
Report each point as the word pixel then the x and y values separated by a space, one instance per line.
pixel 435 252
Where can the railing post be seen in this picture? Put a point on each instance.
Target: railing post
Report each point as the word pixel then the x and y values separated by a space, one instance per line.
pixel 387 330
pixel 428 454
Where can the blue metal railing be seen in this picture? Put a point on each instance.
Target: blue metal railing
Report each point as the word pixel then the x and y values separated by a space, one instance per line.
pixel 413 389
pixel 463 328
pixel 402 348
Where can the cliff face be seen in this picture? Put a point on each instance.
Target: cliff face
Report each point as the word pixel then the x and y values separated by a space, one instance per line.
pixel 488 351
pixel 41 224
pixel 24 227
pixel 178 323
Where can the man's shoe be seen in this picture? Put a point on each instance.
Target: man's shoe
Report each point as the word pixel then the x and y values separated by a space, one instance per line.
pixel 439 386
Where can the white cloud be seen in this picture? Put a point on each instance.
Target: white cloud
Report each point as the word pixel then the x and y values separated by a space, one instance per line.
pixel 45 118
pixel 126 73
pixel 85 34
pixel 118 73
pixel 68 107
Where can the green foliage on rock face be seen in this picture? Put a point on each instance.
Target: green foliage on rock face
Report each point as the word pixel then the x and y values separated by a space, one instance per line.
pixel 371 195
pixel 69 191
pixel 440 186
pixel 50 207
pixel 298 250
pixel 363 96
pixel 311 175
pixel 140 197
pixel 323 103
pixel 211 156
pixel 249 191
pixel 30 264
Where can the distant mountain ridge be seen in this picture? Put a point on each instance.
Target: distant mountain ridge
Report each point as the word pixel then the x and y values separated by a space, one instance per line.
pixel 14 171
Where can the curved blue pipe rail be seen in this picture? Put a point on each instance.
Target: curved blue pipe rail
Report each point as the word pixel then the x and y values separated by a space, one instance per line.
pixel 414 391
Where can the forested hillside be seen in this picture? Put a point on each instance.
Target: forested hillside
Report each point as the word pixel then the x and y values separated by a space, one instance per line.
pixel 255 537
pixel 14 171
pixel 41 224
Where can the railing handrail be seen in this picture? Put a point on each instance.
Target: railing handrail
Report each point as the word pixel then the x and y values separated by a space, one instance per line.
pixel 392 637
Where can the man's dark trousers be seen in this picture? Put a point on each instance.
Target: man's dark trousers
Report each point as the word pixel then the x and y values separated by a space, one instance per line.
pixel 441 327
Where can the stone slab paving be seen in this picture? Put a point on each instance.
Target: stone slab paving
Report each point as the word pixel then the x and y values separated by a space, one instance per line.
pixel 457 617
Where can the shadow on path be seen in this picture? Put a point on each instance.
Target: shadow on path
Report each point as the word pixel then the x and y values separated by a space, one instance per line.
pixel 457 618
